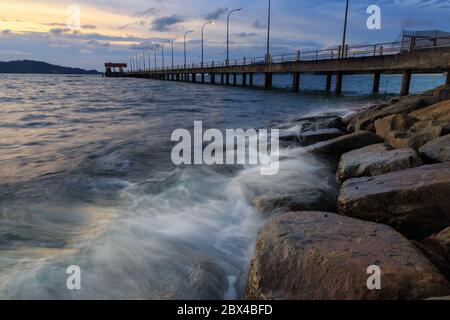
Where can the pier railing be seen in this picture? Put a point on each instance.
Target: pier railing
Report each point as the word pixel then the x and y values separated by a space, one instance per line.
pixel 379 49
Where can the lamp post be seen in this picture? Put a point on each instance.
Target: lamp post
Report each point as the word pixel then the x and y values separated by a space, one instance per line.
pixel 143 59
pixel 185 58
pixel 345 30
pixel 162 52
pixel 268 32
pixel 173 40
pixel 228 33
pixel 203 33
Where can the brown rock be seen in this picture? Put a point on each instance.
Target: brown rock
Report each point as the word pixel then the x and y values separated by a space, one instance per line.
pixel 308 200
pixel 437 249
pixel 324 256
pixel 406 105
pixel 335 148
pixel 438 113
pixel 375 160
pixel 437 150
pixel 311 137
pixel 403 130
pixel 416 201
pixel 442 92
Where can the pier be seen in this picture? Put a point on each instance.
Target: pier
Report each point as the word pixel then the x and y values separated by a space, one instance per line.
pixel 404 57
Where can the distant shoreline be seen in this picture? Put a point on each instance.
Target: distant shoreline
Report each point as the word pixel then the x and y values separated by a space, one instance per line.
pixel 39 67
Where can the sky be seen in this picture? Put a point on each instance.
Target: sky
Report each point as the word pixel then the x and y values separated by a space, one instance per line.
pixel 116 30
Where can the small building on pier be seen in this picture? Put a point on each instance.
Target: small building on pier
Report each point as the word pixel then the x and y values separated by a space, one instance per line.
pixel 115 67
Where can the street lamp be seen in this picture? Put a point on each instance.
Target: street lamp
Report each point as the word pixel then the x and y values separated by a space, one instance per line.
pixel 345 30
pixel 173 40
pixel 268 32
pixel 203 32
pixel 228 33
pixel 185 58
pixel 162 52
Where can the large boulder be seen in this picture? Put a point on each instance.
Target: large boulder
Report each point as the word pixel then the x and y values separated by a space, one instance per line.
pixel 312 199
pixel 437 249
pixel 336 147
pixel 321 122
pixel 311 137
pixel 437 150
pixel 366 119
pixel 442 92
pixel 438 114
pixel 324 256
pixel 415 201
pixel 375 160
pixel 404 131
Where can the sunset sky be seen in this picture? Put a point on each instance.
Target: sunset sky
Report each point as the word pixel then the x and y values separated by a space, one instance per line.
pixel 114 30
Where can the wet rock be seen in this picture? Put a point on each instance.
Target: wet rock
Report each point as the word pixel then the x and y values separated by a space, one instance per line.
pixel 403 131
pixel 438 114
pixel 309 200
pixel 321 122
pixel 311 137
pixel 375 160
pixel 437 249
pixel 437 150
pixel 335 148
pixel 442 92
pixel 416 201
pixel 367 118
pixel 324 256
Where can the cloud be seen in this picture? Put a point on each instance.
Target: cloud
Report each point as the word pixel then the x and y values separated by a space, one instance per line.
pixel 146 13
pixel 246 34
pixel 59 31
pixel 216 14
pixel 165 23
pixel 258 24
pixel 6 33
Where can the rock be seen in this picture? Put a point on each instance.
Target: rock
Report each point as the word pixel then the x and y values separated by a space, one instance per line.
pixel 309 200
pixel 403 130
pixel 442 92
pixel 311 137
pixel 438 114
pixel 321 122
pixel 406 105
pixel 324 256
pixel 416 201
pixel 336 147
pixel 375 160
pixel 437 249
pixel 437 150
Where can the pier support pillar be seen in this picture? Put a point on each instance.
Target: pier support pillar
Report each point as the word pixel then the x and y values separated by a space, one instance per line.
pixel 328 82
pixel 251 79
pixel 268 81
pixel 376 82
pixel 406 82
pixel 338 90
pixel 213 78
pixel 227 79
pixel 296 81
pixel 244 79
pixel 234 79
pixel 194 77
pixel 447 82
pixel 203 78
pixel 222 78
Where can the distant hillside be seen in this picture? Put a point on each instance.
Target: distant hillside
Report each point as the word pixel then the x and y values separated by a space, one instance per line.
pixel 38 67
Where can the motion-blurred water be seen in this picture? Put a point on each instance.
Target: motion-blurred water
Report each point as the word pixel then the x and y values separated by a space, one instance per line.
pixel 86 179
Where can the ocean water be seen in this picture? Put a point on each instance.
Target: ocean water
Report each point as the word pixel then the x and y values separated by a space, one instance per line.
pixel 86 179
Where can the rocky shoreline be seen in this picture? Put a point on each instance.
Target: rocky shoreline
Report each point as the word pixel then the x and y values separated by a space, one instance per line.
pixel 391 208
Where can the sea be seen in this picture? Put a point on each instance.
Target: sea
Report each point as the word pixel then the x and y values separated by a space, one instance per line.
pixel 87 180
